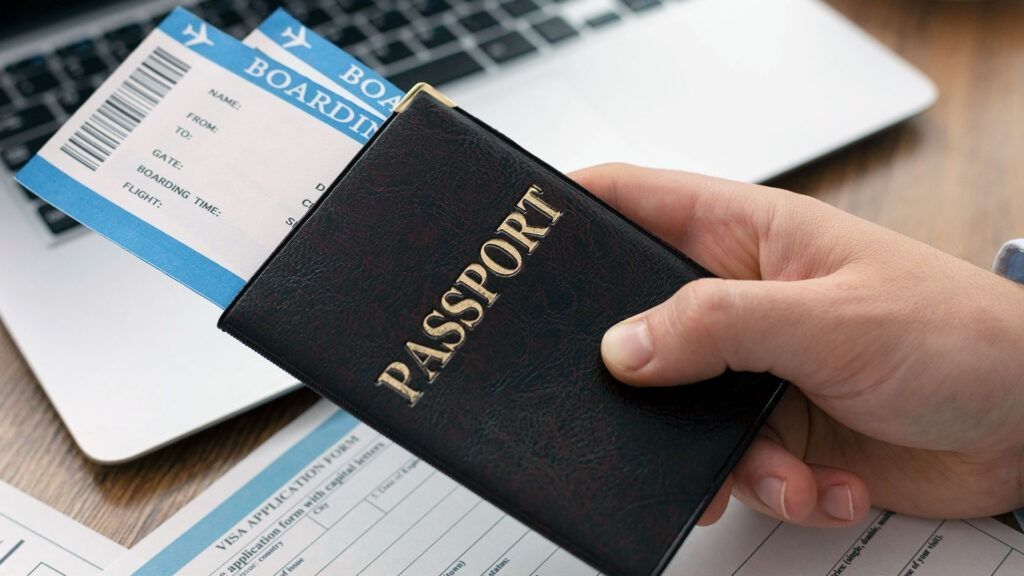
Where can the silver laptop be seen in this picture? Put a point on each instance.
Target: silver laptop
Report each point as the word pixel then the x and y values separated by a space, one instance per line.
pixel 739 88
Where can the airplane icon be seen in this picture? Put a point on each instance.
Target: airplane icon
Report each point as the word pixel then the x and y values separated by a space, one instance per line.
pixel 197 38
pixel 295 39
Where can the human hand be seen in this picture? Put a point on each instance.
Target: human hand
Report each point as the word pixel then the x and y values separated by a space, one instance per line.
pixel 907 363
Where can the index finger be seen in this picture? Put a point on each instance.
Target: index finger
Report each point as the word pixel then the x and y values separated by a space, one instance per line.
pixel 719 223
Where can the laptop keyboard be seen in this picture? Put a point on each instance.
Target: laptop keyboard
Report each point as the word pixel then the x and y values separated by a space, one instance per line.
pixel 408 41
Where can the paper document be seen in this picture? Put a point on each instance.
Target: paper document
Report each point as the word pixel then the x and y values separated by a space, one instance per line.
pixel 288 41
pixel 328 495
pixel 745 543
pixel 37 540
pixel 199 154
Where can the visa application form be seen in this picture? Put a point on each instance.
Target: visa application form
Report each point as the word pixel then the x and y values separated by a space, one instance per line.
pixel 39 541
pixel 329 495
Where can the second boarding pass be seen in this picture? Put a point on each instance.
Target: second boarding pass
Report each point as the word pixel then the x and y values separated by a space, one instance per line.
pixel 200 153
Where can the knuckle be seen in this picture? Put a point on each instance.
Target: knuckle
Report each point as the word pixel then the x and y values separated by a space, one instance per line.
pixel 710 296
pixel 617 165
pixel 609 168
pixel 703 306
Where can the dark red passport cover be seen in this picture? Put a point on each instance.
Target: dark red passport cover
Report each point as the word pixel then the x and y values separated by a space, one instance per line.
pixel 378 301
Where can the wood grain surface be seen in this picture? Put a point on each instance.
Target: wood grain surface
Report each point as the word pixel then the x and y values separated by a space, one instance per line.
pixel 953 177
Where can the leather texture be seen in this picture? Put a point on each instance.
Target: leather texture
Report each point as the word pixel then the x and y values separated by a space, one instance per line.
pixel 524 414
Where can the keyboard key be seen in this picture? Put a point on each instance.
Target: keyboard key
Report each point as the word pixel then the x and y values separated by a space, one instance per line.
pixel 95 80
pixel 353 6
pixel 555 30
pixel 28 193
pixel 230 18
pixel 71 98
pixel 641 5
pixel 220 13
pixel 386 21
pixel 603 19
pixel 346 36
pixel 57 221
pixel 506 47
pixel 364 55
pixel 119 52
pixel 156 20
pixel 239 31
pixel 478 21
pixel 207 7
pixel 393 52
pixel 37 84
pixel 27 67
pixel 436 36
pixel 81 59
pixel 16 155
pixel 129 34
pixel 519 8
pixel 123 40
pixel 260 9
pixel 78 68
pixel 19 120
pixel 80 49
pixel 438 72
pixel 431 7
pixel 316 17
pixel 297 7
pixel 212 18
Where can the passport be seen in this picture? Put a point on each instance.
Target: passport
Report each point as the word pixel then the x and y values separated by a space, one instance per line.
pixel 451 290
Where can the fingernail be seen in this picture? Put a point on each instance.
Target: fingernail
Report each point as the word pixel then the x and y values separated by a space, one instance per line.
pixel 627 345
pixel 772 492
pixel 837 501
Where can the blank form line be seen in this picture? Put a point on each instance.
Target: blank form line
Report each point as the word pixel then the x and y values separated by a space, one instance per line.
pixel 1001 562
pixel 1010 546
pixel 759 546
pixel 474 543
pixel 920 548
pixel 505 553
pixel 326 529
pixel 409 529
pixel 404 466
pixel 856 540
pixel 11 551
pixel 299 505
pixel 545 561
pixel 57 544
pixel 320 524
pixel 370 527
pixel 442 535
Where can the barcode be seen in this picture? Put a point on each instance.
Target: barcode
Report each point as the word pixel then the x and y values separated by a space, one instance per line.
pixel 115 119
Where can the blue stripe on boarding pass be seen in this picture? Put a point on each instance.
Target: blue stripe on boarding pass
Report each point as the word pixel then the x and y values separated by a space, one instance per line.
pixel 333 62
pixel 204 276
pixel 269 75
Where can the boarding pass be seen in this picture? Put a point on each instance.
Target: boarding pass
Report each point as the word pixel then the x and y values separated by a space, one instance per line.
pixel 200 153
pixel 285 39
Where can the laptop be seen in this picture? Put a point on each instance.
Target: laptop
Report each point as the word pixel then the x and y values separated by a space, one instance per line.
pixel 744 89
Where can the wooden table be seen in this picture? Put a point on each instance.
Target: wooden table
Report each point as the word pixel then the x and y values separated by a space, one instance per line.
pixel 953 177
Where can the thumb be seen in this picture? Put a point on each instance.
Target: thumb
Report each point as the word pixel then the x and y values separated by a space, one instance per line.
pixel 713 324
